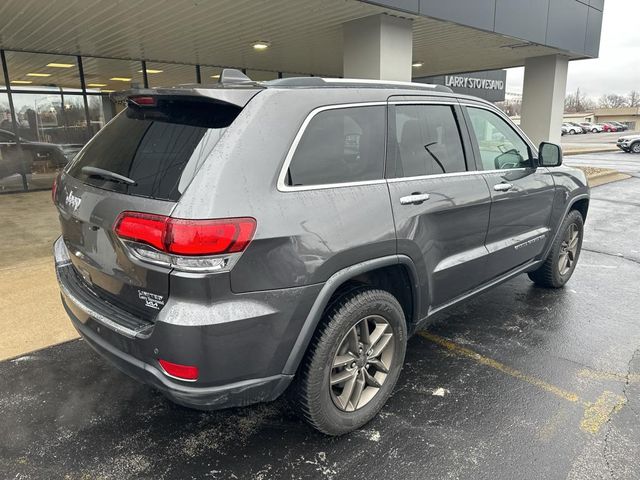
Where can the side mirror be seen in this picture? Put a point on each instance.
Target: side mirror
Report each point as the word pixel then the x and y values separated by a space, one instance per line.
pixel 549 155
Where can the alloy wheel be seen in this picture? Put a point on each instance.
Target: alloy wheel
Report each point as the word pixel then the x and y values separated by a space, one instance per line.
pixel 568 249
pixel 362 363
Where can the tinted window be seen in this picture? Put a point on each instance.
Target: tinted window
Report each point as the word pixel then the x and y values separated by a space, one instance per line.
pixel 340 145
pixel 427 141
pixel 159 148
pixel 499 144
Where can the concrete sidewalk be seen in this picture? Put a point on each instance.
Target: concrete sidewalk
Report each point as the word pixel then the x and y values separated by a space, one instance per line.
pixel 32 315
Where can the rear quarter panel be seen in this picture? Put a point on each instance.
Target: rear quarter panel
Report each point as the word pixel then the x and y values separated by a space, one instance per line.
pixel 302 237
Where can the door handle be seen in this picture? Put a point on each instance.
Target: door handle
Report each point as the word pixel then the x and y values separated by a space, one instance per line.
pixel 502 187
pixel 414 199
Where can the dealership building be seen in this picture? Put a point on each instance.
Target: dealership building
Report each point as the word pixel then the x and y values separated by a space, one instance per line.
pixel 61 59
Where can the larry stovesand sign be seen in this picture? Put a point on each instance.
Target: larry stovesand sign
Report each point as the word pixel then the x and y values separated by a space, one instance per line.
pixel 488 85
pixel 470 82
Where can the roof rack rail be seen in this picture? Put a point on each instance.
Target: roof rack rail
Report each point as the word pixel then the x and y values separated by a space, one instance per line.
pixel 355 82
pixel 394 83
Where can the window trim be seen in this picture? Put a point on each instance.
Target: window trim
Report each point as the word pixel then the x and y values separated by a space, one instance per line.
pixel 282 177
pixel 465 141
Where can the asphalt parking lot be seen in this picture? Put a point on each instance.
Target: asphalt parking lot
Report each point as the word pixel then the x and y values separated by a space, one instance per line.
pixel 596 138
pixel 529 384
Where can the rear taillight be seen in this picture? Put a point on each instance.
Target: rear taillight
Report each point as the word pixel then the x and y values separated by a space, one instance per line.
pixel 181 372
pixel 185 244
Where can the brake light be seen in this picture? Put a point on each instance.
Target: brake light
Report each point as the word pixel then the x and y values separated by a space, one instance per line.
pixel 186 237
pixel 144 101
pixel 143 228
pixel 182 372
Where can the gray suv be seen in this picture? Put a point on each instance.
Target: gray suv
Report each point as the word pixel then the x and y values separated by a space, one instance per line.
pixel 226 244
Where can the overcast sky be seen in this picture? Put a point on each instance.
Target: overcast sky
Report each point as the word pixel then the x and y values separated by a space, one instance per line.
pixel 617 70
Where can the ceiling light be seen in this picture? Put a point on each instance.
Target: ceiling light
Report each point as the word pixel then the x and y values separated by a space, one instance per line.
pixel 120 79
pixel 261 45
pixel 215 76
pixel 21 82
pixel 60 65
pixel 96 84
pixel 417 64
pixel 151 70
pixel 38 74
pixel 107 91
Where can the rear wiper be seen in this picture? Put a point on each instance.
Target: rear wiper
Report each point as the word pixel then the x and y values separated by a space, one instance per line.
pixel 107 175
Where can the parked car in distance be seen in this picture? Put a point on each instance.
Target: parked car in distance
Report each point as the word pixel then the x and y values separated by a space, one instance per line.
pixel 573 129
pixel 583 129
pixel 20 161
pixel 629 143
pixel 591 127
pixel 608 127
pixel 225 244
pixel 620 126
pixel 564 130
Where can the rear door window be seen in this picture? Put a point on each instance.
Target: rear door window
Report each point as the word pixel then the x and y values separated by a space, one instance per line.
pixel 159 148
pixel 427 141
pixel 340 145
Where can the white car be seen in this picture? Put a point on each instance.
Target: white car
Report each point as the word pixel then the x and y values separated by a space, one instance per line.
pixel 572 129
pixel 630 143
pixel 592 127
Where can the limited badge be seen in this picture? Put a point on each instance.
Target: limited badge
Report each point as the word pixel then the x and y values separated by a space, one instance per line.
pixel 151 300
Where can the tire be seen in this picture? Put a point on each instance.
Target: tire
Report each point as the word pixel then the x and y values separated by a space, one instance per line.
pixel 635 148
pixel 333 409
pixel 572 132
pixel 550 274
pixel 594 130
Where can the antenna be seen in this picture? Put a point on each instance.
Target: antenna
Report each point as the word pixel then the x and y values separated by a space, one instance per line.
pixel 233 76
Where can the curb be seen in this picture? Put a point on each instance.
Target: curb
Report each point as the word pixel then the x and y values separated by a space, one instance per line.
pixel 603 178
pixel 594 150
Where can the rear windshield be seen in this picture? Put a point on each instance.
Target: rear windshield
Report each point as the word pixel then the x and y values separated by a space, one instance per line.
pixel 157 150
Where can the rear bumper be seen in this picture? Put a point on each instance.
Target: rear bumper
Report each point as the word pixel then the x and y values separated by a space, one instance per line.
pixel 239 342
pixel 202 398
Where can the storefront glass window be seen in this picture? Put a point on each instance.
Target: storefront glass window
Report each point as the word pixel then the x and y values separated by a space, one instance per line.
pixel 52 129
pixel 261 75
pixel 210 74
pixel 35 71
pixel 107 75
pixel 101 110
pixel 5 113
pixel 170 74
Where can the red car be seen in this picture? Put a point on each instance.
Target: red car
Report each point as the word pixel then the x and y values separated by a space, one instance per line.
pixel 607 127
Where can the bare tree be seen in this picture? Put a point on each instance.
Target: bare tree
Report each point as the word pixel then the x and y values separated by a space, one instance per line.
pixel 612 100
pixel 510 107
pixel 633 99
pixel 578 102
